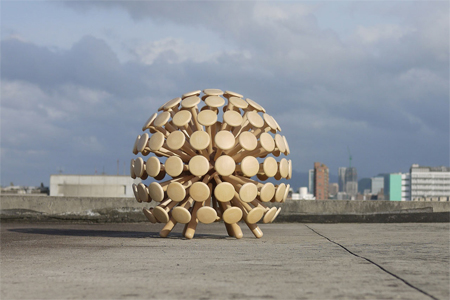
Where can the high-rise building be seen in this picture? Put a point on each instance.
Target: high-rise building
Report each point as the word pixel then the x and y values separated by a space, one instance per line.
pixel 321 181
pixel 351 182
pixel 311 181
pixel 377 183
pixel 333 189
pixel 341 179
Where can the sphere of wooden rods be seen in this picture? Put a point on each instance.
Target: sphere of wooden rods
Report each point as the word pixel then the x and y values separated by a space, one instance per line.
pixel 218 148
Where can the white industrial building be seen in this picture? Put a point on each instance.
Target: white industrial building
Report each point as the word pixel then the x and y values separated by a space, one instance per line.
pixel 92 185
pixel 429 182
pixel 302 195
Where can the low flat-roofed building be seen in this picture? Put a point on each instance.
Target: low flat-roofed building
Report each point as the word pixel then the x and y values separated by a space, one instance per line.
pixel 92 185
pixel 429 182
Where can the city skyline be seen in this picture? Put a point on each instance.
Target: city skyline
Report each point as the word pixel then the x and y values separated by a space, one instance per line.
pixel 77 78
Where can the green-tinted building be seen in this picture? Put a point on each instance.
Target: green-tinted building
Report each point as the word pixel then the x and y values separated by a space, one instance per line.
pixel 396 187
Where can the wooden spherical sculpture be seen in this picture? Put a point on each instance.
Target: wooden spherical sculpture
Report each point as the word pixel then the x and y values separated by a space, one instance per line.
pixel 213 145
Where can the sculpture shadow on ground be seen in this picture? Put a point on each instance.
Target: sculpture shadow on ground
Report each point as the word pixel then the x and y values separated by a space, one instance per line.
pixel 109 233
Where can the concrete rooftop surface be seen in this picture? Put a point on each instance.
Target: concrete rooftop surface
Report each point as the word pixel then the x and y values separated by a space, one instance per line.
pixel 291 261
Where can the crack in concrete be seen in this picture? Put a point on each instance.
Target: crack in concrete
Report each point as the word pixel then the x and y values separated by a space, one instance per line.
pixel 374 263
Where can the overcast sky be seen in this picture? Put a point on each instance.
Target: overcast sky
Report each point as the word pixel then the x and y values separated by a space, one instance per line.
pixel 79 79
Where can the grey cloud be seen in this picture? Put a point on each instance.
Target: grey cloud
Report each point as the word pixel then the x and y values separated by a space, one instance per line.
pixel 379 99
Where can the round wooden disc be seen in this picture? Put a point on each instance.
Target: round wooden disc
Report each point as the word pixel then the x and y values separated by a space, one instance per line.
pixel 193 93
pixel 255 105
pixel 149 122
pixel 207 118
pixel 161 214
pixel 225 165
pixel 279 194
pixel 249 166
pixel 224 192
pixel 136 142
pixel 206 214
pixel 139 167
pixel 255 215
pixel 212 92
pixel 255 119
pixel 200 140
pixel 280 143
pixel 290 170
pixel 248 140
pixel 214 101
pixel 232 118
pixel 190 102
pixel 224 140
pixel 174 166
pixel 288 150
pixel 156 191
pixel 199 191
pixel 284 168
pixel 267 192
pixel 248 192
pixel 135 192
pixel 286 192
pixel 267 142
pixel 142 143
pixel 161 119
pixel 181 215
pixel 132 174
pixel 142 192
pixel 161 175
pixel 176 140
pixel 238 102
pixel 270 121
pixel 198 165
pixel 270 166
pixel 276 215
pixel 182 118
pixel 232 215
pixel 156 141
pixel 278 126
pixel 232 94
pixel 149 215
pixel 269 215
pixel 172 103
pixel 153 166
pixel 176 191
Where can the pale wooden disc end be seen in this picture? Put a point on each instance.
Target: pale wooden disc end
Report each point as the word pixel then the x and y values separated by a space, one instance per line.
pixel 161 215
pixel 225 165
pixel 232 215
pixel 248 192
pixel 181 215
pixel 198 165
pixel 199 191
pixel 255 215
pixel 176 191
pixel 206 215
pixel 224 192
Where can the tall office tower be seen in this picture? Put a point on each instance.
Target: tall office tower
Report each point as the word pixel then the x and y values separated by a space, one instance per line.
pixel 377 183
pixel 351 182
pixel 333 189
pixel 321 181
pixel 311 181
pixel 341 178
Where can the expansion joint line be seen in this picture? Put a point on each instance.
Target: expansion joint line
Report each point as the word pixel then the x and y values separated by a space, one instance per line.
pixel 374 263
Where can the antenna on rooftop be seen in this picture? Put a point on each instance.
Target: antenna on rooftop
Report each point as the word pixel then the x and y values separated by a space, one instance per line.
pixel 349 157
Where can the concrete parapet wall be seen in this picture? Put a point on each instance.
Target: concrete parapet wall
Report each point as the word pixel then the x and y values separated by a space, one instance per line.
pixel 359 207
pixel 92 209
